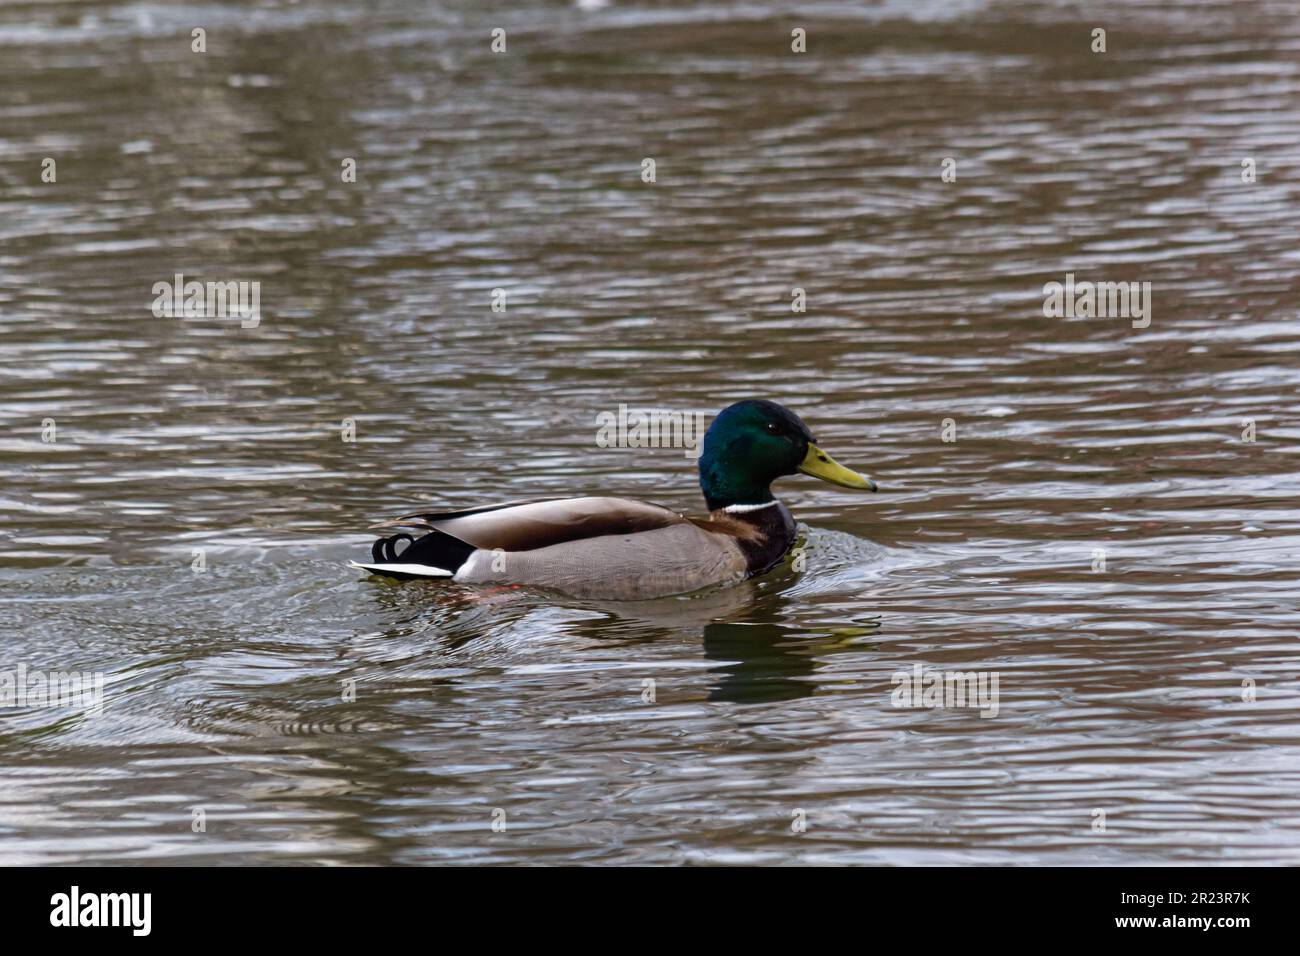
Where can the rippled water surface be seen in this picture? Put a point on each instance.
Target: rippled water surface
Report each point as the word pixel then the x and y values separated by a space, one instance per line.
pixel 1100 534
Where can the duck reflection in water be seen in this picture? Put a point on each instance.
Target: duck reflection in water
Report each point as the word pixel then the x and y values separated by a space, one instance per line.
pixel 760 656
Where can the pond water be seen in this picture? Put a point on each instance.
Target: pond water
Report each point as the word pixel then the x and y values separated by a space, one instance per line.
pixel 1101 514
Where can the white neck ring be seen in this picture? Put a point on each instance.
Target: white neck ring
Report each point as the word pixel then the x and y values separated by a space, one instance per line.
pixel 741 509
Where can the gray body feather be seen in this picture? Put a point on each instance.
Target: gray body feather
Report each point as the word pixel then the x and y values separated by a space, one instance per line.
pixel 595 547
pixel 647 564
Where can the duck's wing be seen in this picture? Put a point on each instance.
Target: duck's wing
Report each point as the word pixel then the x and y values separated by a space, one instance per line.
pixel 424 519
pixel 542 522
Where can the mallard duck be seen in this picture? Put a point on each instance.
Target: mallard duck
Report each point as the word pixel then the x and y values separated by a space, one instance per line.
pixel 617 548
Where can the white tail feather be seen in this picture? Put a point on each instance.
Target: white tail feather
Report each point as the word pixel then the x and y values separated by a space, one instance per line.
pixel 419 570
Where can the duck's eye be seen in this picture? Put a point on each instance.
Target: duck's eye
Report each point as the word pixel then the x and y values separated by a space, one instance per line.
pixel 772 427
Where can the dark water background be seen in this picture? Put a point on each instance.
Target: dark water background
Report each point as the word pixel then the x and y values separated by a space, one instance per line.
pixel 1121 690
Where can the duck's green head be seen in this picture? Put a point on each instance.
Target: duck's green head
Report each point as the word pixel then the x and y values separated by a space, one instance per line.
pixel 751 444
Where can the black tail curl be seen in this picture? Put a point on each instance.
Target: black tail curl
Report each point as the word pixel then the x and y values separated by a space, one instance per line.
pixel 434 549
pixel 385 549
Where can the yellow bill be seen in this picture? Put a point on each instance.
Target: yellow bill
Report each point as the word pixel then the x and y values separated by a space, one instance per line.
pixel 821 465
